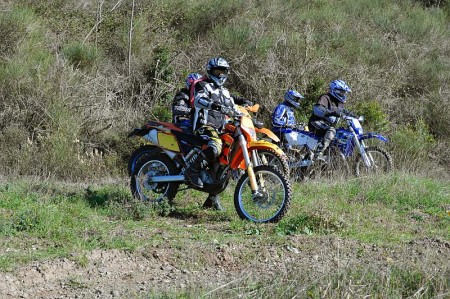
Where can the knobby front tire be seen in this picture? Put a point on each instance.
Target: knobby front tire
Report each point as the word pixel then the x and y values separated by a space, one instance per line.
pixel 381 159
pixel 276 196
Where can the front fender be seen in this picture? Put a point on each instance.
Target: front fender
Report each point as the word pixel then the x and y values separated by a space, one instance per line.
pixel 373 135
pixel 238 159
pixel 269 134
pixel 263 144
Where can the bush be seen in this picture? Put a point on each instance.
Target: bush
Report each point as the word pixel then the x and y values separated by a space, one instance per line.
pixel 411 147
pixel 374 117
pixel 17 150
pixel 12 28
pixel 81 55
pixel 392 53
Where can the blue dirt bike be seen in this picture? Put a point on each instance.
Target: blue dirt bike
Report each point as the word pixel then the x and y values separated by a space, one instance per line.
pixel 347 148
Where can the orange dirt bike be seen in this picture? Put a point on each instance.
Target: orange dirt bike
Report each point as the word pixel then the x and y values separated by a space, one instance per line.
pixel 265 156
pixel 262 194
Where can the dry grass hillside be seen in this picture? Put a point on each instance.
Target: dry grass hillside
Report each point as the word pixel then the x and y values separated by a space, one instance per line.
pixel 76 76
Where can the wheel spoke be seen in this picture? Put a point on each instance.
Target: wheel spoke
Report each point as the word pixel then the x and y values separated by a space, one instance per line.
pixel 270 202
pixel 380 160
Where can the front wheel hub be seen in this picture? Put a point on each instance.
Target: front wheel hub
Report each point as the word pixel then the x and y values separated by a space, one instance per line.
pixel 262 199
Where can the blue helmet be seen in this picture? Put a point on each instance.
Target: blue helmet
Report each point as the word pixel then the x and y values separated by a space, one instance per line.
pixel 293 98
pixel 339 90
pixel 191 78
pixel 217 69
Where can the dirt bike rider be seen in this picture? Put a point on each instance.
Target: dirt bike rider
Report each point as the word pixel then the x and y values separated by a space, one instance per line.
pixel 283 117
pixel 211 102
pixel 181 109
pixel 325 114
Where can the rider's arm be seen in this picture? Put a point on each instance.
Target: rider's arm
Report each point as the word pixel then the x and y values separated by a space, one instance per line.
pixel 279 116
pixel 324 113
pixel 321 108
pixel 180 104
pixel 241 100
pixel 321 111
pixel 202 101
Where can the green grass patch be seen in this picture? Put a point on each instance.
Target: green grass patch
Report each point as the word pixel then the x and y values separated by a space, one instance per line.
pixel 81 55
pixel 372 220
pixel 56 219
pixel 385 210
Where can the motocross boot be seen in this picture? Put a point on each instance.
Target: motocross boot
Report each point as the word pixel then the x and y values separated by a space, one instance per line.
pixel 323 145
pixel 213 202
pixel 318 154
pixel 193 172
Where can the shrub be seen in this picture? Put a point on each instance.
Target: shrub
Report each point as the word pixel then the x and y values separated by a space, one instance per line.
pixel 392 53
pixel 13 26
pixel 81 55
pixel 374 117
pixel 17 150
pixel 411 147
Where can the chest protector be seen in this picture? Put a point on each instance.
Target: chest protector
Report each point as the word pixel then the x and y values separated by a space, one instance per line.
pixel 203 101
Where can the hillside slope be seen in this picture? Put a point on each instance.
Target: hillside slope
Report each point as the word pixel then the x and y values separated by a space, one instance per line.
pixel 75 76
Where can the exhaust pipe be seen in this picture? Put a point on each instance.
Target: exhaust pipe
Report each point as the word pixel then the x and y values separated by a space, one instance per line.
pixel 166 178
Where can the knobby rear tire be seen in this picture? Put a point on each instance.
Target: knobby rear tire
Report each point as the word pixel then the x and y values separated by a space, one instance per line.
pixel 335 169
pixel 139 154
pixel 280 162
pixel 152 164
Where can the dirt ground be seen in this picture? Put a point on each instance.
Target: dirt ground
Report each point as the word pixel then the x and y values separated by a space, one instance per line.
pixel 153 270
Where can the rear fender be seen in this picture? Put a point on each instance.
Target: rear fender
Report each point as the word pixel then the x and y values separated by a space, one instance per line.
pixel 138 132
pixel 158 125
pixel 163 139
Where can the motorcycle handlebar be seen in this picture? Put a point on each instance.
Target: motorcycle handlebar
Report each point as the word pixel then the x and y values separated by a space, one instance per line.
pixel 350 116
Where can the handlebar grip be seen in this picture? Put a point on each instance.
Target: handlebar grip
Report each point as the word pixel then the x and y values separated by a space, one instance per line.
pixel 215 106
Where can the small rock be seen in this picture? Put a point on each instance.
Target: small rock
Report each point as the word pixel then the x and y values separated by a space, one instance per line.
pixel 115 293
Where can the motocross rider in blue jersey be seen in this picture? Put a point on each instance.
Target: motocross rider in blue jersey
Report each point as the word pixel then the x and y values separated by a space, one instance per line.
pixel 283 117
pixel 326 113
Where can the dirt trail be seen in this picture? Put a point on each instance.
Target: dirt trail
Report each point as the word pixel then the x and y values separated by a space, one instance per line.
pixel 119 274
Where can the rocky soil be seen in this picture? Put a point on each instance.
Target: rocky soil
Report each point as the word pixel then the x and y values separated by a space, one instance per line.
pixel 147 272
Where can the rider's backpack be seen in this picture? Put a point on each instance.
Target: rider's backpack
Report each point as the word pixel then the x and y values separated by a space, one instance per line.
pixel 192 90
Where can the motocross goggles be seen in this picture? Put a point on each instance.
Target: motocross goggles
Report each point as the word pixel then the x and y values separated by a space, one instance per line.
pixel 342 93
pixel 219 72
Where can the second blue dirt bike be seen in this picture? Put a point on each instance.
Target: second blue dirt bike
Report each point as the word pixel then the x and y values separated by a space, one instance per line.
pixel 347 148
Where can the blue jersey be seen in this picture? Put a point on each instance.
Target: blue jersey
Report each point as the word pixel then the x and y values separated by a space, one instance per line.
pixel 282 116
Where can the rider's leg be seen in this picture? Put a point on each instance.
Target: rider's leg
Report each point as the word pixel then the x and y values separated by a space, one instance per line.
pixel 193 171
pixel 323 145
pixel 210 152
pixel 321 128
pixel 213 202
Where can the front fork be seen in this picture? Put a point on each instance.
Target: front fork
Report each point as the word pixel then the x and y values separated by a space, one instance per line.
pixel 249 166
pixel 362 150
